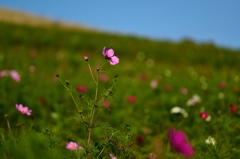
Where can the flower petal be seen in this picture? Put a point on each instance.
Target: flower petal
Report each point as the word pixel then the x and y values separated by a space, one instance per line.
pixel 104 51
pixel 109 53
pixel 114 60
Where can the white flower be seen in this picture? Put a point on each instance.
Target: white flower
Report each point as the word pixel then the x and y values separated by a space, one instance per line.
pixel 194 100
pixel 210 140
pixel 178 110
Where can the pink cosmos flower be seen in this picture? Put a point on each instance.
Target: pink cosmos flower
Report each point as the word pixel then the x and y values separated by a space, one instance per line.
pixel 23 110
pixel 179 142
pixel 81 89
pixel 109 55
pixel 73 146
pixel 15 75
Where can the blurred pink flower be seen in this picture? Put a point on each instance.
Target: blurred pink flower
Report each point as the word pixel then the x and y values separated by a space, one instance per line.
pixel 179 142
pixel 184 91
pixel 221 85
pixel 81 89
pixel 154 84
pixel 23 110
pixel 85 58
pixel 112 157
pixel 73 146
pixel 3 73
pixel 103 78
pixel 15 75
pixel 131 99
pixel 205 116
pixel 109 55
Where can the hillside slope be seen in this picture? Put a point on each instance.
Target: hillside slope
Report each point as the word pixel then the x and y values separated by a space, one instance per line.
pixel 40 33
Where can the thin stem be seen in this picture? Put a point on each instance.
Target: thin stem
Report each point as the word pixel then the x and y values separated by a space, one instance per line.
pixel 93 107
pixel 91 73
pixel 9 128
pixel 74 101
pixel 70 92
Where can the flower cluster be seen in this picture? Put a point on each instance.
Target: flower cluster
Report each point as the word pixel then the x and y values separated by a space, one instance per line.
pixel 12 73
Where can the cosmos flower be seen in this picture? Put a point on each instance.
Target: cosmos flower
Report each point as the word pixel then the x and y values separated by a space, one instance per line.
pixel 205 116
pixel 109 55
pixel 15 75
pixel 23 110
pixel 73 146
pixel 179 142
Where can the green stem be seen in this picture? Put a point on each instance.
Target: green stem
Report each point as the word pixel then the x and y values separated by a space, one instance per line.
pixel 94 106
pixel 91 73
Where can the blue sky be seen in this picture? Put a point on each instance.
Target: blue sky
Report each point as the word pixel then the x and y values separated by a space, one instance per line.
pixel 215 21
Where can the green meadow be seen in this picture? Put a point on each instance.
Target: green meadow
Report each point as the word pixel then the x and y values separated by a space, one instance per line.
pixel 151 78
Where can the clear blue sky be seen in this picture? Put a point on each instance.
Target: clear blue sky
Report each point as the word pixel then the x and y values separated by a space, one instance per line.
pixel 216 21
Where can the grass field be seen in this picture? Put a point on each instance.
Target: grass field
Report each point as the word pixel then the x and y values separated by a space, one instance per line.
pixel 151 78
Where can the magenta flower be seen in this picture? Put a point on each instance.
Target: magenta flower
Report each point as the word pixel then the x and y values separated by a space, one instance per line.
pixel 73 146
pixel 15 75
pixel 205 116
pixel 109 55
pixel 23 110
pixel 81 89
pixel 179 142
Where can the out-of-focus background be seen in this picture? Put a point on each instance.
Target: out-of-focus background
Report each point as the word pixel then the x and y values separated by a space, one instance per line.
pixel 178 68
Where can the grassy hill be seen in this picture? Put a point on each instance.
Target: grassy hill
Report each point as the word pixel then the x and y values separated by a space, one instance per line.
pixel 142 111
